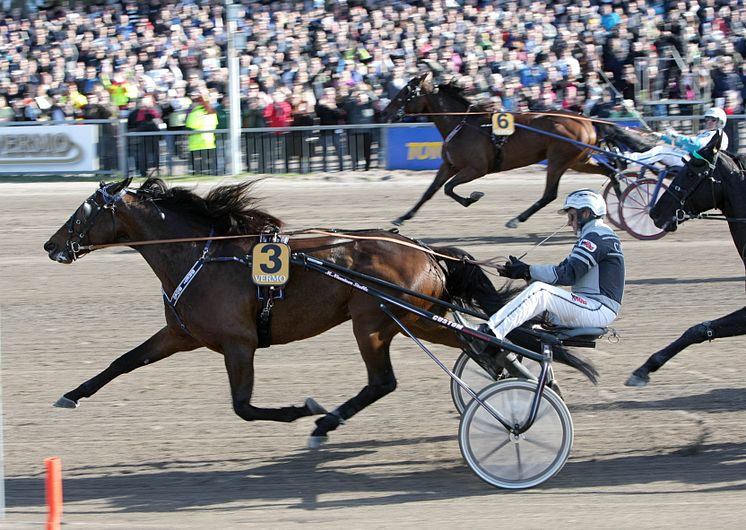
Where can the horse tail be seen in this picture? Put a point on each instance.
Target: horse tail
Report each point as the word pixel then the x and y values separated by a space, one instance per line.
pixel 564 356
pixel 625 138
pixel 468 285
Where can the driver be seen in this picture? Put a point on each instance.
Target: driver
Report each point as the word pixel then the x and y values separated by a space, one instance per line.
pixel 594 270
pixel 680 146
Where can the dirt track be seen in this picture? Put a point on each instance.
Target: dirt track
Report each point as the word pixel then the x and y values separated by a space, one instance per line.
pixel 162 448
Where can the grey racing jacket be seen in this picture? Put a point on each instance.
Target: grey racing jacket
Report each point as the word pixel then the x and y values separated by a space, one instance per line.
pixel 594 268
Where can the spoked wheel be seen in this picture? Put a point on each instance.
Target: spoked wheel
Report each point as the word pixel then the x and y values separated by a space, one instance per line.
pixel 466 369
pixel 473 375
pixel 611 199
pixel 515 462
pixel 634 209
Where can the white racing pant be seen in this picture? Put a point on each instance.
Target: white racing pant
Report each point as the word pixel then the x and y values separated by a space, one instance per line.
pixel 564 308
pixel 664 154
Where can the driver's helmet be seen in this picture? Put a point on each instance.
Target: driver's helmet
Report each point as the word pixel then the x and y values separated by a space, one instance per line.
pixel 718 114
pixel 585 198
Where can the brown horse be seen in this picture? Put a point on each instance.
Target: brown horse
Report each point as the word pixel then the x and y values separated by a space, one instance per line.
pixel 469 150
pixel 218 307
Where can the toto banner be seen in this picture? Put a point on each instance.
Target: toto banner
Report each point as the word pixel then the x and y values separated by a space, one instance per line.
pixel 48 149
pixel 413 148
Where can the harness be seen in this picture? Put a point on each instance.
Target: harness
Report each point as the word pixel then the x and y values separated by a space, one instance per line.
pixel 269 287
pixel 267 292
pixel 172 300
pixel 498 141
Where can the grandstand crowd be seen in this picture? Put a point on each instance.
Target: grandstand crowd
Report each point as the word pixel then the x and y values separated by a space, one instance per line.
pixel 335 62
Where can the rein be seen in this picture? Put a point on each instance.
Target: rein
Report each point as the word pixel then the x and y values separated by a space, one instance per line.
pixel 716 217
pixel 476 113
pixel 491 262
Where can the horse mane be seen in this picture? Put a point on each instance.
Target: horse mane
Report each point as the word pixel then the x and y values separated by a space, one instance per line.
pixel 627 138
pixel 457 92
pixel 737 161
pixel 230 208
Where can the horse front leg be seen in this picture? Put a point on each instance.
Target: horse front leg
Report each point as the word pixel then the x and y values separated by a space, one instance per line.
pixel 465 175
pixel 445 171
pixel 163 344
pixel 239 363
pixel 381 381
pixel 554 173
pixel 730 325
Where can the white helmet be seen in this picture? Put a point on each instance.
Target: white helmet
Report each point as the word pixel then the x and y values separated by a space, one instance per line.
pixel 718 114
pixel 585 198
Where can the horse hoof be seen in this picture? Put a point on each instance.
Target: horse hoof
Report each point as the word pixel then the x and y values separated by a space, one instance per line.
pixel 513 223
pixel 475 196
pixel 65 403
pixel 637 381
pixel 398 221
pixel 314 442
pixel 314 407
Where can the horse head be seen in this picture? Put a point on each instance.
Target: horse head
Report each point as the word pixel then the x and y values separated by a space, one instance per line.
pixel 408 97
pixel 695 189
pixel 85 226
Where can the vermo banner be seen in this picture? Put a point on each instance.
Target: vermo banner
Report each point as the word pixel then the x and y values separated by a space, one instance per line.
pixel 48 148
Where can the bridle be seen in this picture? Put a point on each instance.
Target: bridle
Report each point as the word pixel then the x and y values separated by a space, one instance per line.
pixel 682 194
pixel 90 212
pixel 409 94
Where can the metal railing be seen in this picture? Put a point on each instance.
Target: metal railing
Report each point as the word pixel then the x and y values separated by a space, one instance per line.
pixel 300 150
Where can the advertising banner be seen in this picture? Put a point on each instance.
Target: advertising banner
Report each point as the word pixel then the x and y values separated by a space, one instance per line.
pixel 414 148
pixel 49 149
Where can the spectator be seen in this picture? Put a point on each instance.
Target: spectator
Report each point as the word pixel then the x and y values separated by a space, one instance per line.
pixel 132 49
pixel 330 113
pixel 6 113
pixel 299 143
pixel 202 117
pixel 360 110
pixel 146 117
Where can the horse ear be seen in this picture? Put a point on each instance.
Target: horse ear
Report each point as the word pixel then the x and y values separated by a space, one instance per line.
pixel 119 186
pixel 718 142
pixel 426 81
pixel 714 144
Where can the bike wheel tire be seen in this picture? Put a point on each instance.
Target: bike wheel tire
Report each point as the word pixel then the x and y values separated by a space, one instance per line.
pixel 516 462
pixel 612 201
pixel 466 369
pixel 634 209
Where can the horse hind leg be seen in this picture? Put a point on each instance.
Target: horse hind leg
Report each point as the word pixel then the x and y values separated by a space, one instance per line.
pixel 164 343
pixel 445 171
pixel 239 363
pixel 381 381
pixel 730 325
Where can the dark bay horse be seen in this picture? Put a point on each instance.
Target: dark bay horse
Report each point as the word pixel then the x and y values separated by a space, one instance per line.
pixel 713 182
pixel 469 152
pixel 218 308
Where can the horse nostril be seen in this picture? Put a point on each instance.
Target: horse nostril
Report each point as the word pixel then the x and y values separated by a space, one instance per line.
pixel 49 246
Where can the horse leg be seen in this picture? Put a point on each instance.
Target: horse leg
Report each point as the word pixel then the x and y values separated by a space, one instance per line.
pixel 730 325
pixel 554 173
pixel 465 175
pixel 445 171
pixel 239 363
pixel 381 381
pixel 164 343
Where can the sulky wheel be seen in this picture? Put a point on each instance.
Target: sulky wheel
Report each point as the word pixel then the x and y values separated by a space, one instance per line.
pixel 634 209
pixel 506 460
pixel 611 199
pixel 466 369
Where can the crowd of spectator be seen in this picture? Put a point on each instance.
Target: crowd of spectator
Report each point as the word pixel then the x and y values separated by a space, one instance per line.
pixel 318 62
